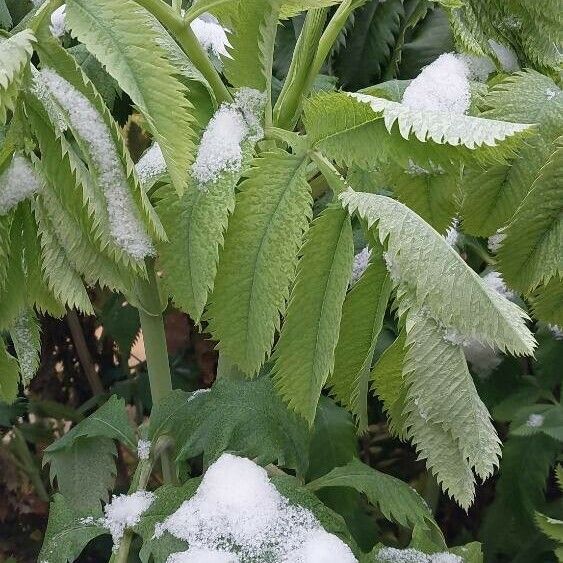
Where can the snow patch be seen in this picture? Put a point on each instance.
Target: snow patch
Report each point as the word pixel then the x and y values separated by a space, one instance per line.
pixel 58 21
pixel 392 267
pixel 494 242
pixel 495 282
pixel 393 555
pixel 211 35
pixel 321 547
pixel 143 449
pixel 125 511
pixel 442 86
pixel 483 359
pixel 151 165
pixel 236 508
pixel 361 261
pixel 17 182
pixel 505 56
pixel 535 421
pixel 220 149
pixel 479 67
pixel 452 234
pixel 198 555
pixel 556 331
pixel 88 125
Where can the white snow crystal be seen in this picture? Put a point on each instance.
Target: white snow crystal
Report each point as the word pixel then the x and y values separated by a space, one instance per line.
pixel 321 547
pixel 393 555
pixel 445 558
pixel 505 55
pixel 452 234
pixel 203 555
pixel 483 359
pixel 392 266
pixel 479 67
pixel 18 181
pixel 360 264
pixel 236 508
pixel 89 127
pixel 125 511
pixel 220 149
pixel 58 21
pixel 143 449
pixel 495 242
pixel 211 35
pixel 151 165
pixel 40 90
pixel 556 331
pixel 442 86
pixel 535 420
pixel 494 281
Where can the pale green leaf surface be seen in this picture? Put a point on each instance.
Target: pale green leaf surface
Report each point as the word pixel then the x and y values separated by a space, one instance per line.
pixel 26 337
pixel 547 301
pixel 257 263
pixel 9 376
pixel 305 350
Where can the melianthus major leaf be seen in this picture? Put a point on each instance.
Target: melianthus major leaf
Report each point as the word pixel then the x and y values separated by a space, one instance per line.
pixel 125 39
pixel 26 337
pixel 362 319
pixel 547 301
pixel 439 279
pixel 257 263
pixel 394 498
pixel 9 375
pixel 304 354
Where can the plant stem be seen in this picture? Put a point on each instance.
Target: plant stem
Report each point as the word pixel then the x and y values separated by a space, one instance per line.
pixel 28 464
pixel 185 37
pixel 330 173
pixel 83 353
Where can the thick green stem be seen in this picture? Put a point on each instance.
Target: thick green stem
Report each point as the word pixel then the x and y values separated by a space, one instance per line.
pixel 291 96
pixel 185 37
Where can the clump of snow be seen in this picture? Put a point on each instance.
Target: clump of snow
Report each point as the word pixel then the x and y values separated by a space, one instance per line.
pixel 58 21
pixel 505 56
pixel 494 242
pixel 392 266
pixel 414 169
pixel 361 261
pixel 236 508
pixel 452 234
pixel 442 86
pixel 89 127
pixel 483 359
pixel 551 93
pixel 479 67
pixel 40 90
pixel 556 331
pixel 220 149
pixel 143 449
pixel 494 281
pixel 151 165
pixel 199 555
pixel 125 511
pixel 393 555
pixel 321 547
pixel 211 35
pixel 453 336
pixel 18 181
pixel 535 421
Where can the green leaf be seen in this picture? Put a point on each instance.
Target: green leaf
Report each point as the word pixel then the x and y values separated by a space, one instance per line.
pixel 439 279
pixel 531 253
pixel 68 532
pixel 388 383
pixel 125 39
pixel 291 8
pixel 547 301
pixel 5 16
pixel 259 257
pixel 109 421
pixel 246 418
pixel 552 528
pixel 305 350
pixel 396 500
pixel 26 337
pixel 84 471
pixel 15 53
pixel 362 320
pixel 547 419
pixel 252 26
pixel 9 376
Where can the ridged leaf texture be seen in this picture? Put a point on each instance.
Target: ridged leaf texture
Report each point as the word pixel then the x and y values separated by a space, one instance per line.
pixel 547 301
pixel 15 53
pixel 532 252
pixel 304 354
pixel 394 498
pixel 124 37
pixel 26 337
pixel 438 278
pixel 362 320
pixel 361 129
pixel 257 263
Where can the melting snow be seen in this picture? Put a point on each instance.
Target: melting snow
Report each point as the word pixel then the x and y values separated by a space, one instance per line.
pixel 236 508
pixel 361 261
pixel 393 555
pixel 88 125
pixel 535 420
pixel 211 35
pixel 58 21
pixel 125 511
pixel 479 67
pixel 17 182
pixel 143 449
pixel 495 242
pixel 220 149
pixel 442 86
pixel 151 165
pixel 494 281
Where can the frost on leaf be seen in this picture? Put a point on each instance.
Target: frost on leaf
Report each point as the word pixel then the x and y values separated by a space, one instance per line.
pixel 143 449
pixel 479 67
pixel 495 242
pixel 58 21
pixel 494 281
pixel 221 148
pixel 483 358
pixel 452 234
pixel 361 261
pixel 151 165
pixel 89 127
pixel 211 35
pixel 237 508
pixel 535 421
pixel 125 511
pixel 393 555
pixel 505 56
pixel 442 86
pixel 17 182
